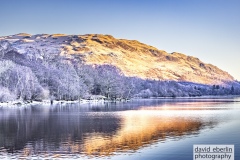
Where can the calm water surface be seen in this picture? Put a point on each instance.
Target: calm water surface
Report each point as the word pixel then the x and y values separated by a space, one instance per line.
pixel 144 129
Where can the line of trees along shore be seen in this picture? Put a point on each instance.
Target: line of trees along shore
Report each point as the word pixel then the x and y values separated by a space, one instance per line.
pixel 30 78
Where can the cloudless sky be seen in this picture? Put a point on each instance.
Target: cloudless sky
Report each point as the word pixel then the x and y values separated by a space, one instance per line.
pixel 207 29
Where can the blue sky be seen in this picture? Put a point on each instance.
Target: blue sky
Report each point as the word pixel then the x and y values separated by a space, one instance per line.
pixel 207 29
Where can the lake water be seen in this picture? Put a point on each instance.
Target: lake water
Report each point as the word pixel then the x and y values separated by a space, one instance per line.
pixel 141 129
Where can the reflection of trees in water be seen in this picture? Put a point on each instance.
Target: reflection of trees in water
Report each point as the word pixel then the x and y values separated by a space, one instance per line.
pixel 17 126
pixel 73 129
pixel 34 126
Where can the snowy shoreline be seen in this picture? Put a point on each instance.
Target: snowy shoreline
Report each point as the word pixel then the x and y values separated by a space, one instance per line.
pixel 46 102
pixel 20 103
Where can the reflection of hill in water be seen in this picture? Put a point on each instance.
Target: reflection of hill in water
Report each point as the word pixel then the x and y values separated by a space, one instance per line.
pixel 67 130
pixel 140 129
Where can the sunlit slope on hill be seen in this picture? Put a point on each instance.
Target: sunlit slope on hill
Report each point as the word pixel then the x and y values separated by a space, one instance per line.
pixel 132 57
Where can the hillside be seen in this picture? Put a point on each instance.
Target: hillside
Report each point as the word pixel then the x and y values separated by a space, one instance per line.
pixel 72 67
pixel 130 56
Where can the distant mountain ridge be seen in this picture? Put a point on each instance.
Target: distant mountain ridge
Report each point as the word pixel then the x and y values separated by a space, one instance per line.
pixel 130 56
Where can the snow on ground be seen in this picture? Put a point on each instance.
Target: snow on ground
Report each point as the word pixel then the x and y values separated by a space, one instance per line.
pixel 18 103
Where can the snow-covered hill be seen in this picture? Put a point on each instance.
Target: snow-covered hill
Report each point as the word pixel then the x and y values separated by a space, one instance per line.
pixel 72 67
pixel 130 56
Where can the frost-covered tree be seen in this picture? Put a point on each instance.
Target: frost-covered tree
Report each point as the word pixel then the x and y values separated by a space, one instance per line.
pixel 87 79
pixel 20 80
pixel 6 95
pixel 110 80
